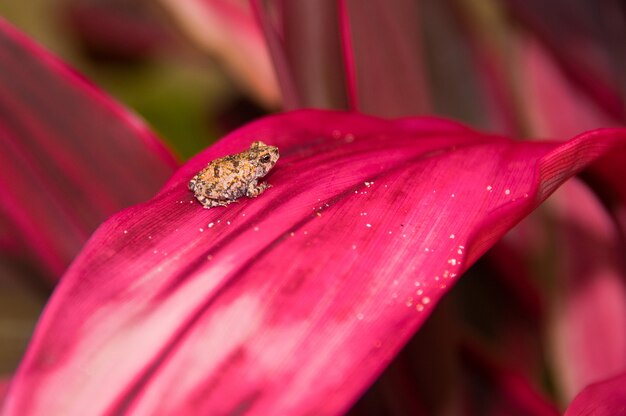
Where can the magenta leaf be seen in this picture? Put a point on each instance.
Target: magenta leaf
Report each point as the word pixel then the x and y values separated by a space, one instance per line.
pixel 313 46
pixel 228 31
pixel 327 55
pixel 588 325
pixel 291 97
pixel 372 55
pixel 69 155
pixel 605 398
pixel 304 41
pixel 4 384
pixel 587 43
pixel 293 302
pixel 547 87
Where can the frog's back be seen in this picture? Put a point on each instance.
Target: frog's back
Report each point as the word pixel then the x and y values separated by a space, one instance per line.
pixel 226 178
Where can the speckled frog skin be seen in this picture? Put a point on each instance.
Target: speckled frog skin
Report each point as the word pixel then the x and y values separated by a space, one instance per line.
pixel 227 179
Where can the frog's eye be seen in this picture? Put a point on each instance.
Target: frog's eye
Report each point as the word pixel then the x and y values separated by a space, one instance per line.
pixel 265 158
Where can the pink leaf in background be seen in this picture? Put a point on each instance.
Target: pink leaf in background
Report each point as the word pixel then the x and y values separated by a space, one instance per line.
pixel 313 46
pixel 588 326
pixel 69 155
pixel 305 44
pixel 295 301
pixel 548 88
pixel 4 384
pixel 227 29
pixel 328 56
pixel 385 66
pixel 587 43
pixel 604 398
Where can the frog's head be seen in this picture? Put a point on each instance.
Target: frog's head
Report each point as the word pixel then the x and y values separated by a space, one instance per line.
pixel 264 157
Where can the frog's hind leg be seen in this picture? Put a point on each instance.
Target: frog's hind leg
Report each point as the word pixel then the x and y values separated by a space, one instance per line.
pixel 253 190
pixel 207 202
pixel 210 203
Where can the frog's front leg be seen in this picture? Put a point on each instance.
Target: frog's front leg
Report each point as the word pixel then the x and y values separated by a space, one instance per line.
pixel 255 189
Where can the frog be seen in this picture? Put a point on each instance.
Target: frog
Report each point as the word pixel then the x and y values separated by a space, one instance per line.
pixel 225 180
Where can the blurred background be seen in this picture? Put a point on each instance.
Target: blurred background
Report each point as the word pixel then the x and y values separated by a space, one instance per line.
pixel 136 52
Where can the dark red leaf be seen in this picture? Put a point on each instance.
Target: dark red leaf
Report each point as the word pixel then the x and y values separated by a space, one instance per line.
pixel 69 155
pixel 586 38
pixel 384 57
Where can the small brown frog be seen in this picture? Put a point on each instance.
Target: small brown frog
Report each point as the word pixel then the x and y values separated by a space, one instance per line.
pixel 228 178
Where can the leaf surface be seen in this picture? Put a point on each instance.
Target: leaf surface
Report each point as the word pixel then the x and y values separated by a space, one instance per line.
pixel 293 302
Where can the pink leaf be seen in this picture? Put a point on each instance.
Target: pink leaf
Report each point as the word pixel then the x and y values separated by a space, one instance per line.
pixel 4 384
pixel 587 44
pixel 313 45
pixel 304 40
pixel 458 68
pixel 227 30
pixel 588 334
pixel 69 157
pixel 605 398
pixel 291 97
pixel 384 57
pixel 291 303
pixel 547 88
